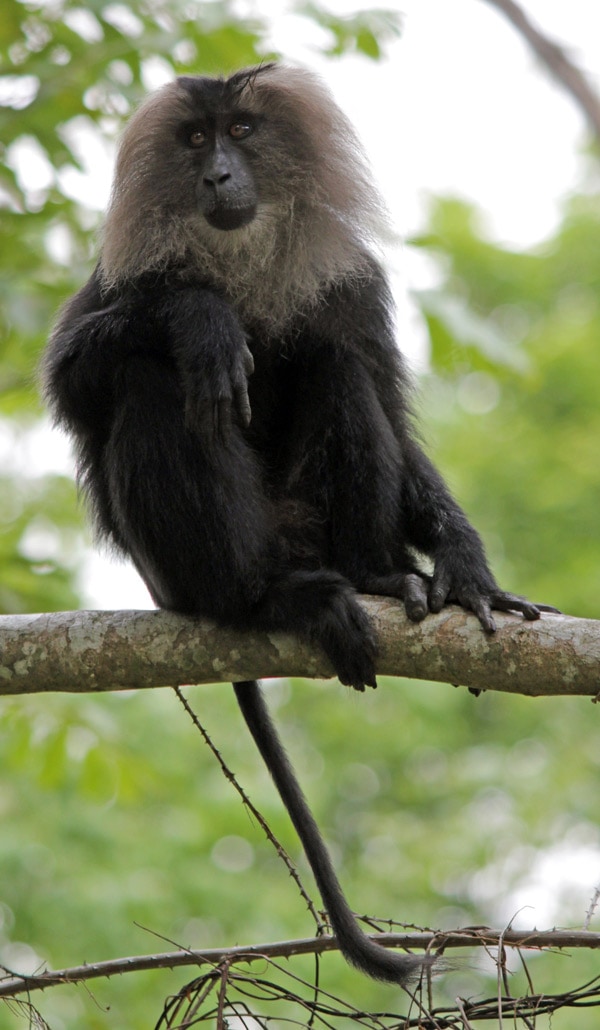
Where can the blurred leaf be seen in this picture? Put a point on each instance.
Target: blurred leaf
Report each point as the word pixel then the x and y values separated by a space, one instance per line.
pixel 366 32
pixel 453 326
pixel 532 468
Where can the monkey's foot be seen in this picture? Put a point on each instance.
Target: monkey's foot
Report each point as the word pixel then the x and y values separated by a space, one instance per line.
pixel 322 605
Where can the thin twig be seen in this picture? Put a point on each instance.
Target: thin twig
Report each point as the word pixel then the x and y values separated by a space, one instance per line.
pixel 330 1012
pixel 589 915
pixel 260 819
pixel 557 61
pixel 14 984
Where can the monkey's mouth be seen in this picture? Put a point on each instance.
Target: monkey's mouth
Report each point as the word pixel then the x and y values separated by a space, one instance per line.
pixel 227 218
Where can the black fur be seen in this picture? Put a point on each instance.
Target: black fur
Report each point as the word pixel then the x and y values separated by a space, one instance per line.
pixel 259 473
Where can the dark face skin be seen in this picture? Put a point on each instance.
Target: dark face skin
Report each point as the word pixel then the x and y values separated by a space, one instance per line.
pixel 226 188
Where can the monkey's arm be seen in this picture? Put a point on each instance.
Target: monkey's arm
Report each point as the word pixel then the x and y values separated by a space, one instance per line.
pixel 437 526
pixel 357 322
pixel 190 326
pixel 213 360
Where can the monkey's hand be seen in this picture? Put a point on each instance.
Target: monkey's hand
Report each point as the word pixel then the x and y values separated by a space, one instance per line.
pixel 412 588
pixel 469 583
pixel 216 390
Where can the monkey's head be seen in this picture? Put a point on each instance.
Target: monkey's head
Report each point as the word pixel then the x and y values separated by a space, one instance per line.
pixel 235 178
pixel 199 147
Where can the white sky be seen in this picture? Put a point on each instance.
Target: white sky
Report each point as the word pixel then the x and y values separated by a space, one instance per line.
pixel 461 105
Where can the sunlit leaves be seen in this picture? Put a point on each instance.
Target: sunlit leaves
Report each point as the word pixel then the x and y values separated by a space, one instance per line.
pixel 366 32
pixel 529 464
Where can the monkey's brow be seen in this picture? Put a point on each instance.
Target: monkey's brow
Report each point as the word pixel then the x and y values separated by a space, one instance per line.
pixel 245 80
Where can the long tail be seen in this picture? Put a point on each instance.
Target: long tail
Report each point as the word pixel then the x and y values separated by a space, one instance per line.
pixel 356 947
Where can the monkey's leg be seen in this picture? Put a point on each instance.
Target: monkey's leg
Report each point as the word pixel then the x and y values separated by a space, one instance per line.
pixel 197 523
pixel 435 523
pixel 346 462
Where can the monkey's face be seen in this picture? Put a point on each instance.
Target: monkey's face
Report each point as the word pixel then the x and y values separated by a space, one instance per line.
pixel 226 150
pixel 243 146
pixel 222 154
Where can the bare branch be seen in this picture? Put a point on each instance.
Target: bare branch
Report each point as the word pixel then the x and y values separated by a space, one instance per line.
pixel 93 651
pixel 13 985
pixel 556 60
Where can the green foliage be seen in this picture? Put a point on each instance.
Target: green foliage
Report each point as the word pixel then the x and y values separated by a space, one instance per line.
pixel 366 32
pixel 440 809
pixel 529 423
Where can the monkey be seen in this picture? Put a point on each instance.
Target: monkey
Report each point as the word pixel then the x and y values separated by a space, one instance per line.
pixel 239 406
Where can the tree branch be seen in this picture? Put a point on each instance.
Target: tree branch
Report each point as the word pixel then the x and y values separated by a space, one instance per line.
pixel 93 651
pixel 556 60
pixel 13 984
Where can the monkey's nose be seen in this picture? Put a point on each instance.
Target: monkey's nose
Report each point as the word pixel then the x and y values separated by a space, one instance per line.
pixel 217 179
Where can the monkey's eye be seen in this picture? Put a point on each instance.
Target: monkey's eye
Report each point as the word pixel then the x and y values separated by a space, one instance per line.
pixel 239 130
pixel 197 138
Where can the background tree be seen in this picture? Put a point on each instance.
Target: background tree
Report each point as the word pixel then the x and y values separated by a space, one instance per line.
pixel 443 809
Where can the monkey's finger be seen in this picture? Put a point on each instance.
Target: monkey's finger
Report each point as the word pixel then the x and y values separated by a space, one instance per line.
pixel 415 597
pixel 480 607
pixel 513 603
pixel 204 415
pixel 248 361
pixel 242 404
pixel 508 603
pixel 440 588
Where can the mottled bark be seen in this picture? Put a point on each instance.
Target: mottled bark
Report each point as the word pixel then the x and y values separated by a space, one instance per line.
pixel 91 651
